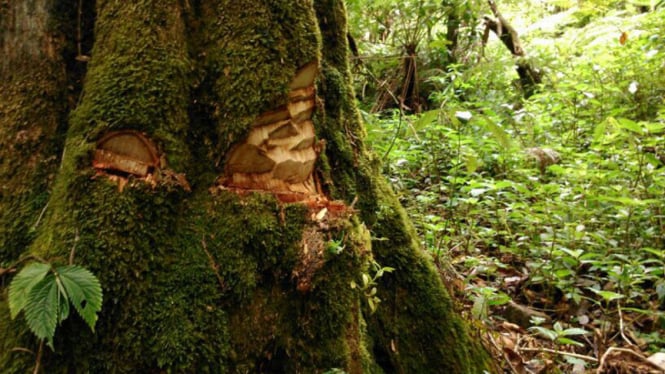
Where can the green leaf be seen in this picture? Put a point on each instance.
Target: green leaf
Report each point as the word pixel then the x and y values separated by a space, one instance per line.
pixel 563 340
pixel 63 311
pixel 472 163
pixel 23 283
pixel 84 292
pixel 607 295
pixel 500 135
pixel 629 125
pixel 427 118
pixel 41 311
pixel 544 332
pixel 574 331
pixel 599 132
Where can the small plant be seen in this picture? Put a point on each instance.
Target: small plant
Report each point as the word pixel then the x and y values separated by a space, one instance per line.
pixel 369 283
pixel 559 334
pixel 483 298
pixel 45 292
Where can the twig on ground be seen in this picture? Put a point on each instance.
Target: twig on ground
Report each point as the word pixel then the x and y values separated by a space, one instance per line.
pixel 503 353
pixel 564 353
pixel 621 326
pixel 643 359
pixel 214 266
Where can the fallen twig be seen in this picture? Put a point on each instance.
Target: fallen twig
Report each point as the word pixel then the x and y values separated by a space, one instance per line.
pixel 571 354
pixel 503 353
pixel 621 326
pixel 643 359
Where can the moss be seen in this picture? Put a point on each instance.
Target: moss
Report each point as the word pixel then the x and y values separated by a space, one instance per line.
pixel 32 110
pixel 248 65
pixel 14 341
pixel 205 281
pixel 415 328
pixel 138 77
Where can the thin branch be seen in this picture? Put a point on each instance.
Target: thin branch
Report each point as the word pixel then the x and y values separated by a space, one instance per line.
pixel 564 353
pixel 39 219
pixel 214 266
pixel 38 361
pixel 621 326
pixel 21 349
pixel 73 251
pixel 643 359
pixel 13 266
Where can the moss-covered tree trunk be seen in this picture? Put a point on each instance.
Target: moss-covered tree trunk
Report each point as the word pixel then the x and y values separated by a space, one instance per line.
pixel 213 174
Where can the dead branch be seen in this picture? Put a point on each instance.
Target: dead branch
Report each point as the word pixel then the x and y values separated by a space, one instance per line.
pixel 642 359
pixel 564 353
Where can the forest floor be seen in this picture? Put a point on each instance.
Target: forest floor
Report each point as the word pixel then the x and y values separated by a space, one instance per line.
pixel 546 215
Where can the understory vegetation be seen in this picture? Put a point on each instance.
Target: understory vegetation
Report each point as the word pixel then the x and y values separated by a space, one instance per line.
pixel 546 214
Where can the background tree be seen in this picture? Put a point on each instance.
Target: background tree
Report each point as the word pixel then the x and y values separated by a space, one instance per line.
pixel 195 183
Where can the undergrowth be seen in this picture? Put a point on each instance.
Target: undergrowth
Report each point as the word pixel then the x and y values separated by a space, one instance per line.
pixel 555 202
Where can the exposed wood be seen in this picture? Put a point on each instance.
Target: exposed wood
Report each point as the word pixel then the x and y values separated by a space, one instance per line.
pixel 131 144
pixel 302 93
pixel 305 76
pixel 107 160
pixel 280 114
pixel 248 158
pixel 284 131
pixel 126 151
pixel 301 110
pixel 293 171
pixel 279 152
pixel 305 143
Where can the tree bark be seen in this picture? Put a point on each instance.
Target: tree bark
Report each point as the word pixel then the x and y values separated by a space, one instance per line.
pixel 225 199
pixel 530 77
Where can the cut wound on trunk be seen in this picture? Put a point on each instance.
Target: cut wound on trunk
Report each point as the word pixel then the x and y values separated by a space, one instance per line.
pixel 278 154
pixel 126 152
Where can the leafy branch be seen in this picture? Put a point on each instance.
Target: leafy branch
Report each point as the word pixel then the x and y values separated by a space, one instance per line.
pixel 45 292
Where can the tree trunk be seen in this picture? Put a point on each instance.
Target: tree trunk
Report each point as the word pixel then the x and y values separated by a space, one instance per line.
pixel 530 77
pixel 214 177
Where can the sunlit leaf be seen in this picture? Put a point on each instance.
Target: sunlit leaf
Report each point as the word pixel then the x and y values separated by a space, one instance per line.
pixel 607 295
pixel 544 332
pixel 563 340
pixel 574 331
pixel 500 135
pixel 630 125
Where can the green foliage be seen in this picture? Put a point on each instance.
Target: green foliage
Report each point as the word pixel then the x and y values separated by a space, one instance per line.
pixel 582 226
pixel 369 283
pixel 45 292
pixel 560 334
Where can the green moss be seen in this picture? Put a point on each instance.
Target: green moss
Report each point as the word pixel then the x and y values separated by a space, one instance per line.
pixel 416 316
pixel 32 109
pixel 247 66
pixel 14 341
pixel 138 77
pixel 205 281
